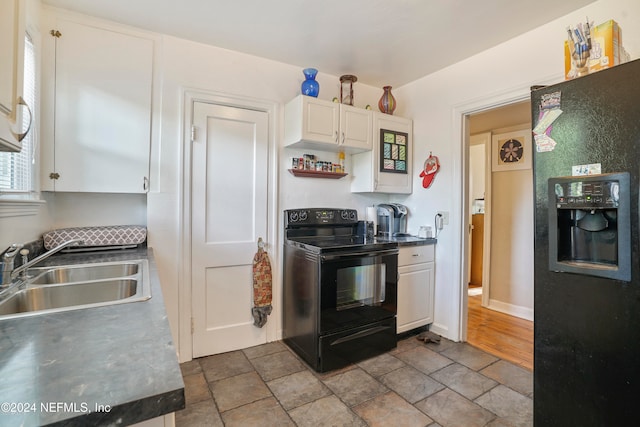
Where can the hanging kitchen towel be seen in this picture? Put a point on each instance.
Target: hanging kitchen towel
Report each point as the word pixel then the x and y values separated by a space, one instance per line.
pixel 261 286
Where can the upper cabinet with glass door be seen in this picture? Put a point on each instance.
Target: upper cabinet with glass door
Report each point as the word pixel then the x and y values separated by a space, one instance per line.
pixel 12 106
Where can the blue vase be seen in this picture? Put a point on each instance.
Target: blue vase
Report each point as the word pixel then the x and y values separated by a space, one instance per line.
pixel 310 86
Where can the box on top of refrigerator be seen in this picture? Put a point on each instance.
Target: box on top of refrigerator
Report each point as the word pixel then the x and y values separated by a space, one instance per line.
pixel 606 49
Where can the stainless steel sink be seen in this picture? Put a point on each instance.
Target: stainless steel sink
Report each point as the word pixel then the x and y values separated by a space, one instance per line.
pixel 80 273
pixel 59 296
pixel 73 287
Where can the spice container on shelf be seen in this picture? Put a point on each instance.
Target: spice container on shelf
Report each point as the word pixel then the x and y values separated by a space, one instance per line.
pixel 307 160
pixel 311 163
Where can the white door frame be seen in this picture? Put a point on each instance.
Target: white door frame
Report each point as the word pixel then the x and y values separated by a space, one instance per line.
pixel 190 96
pixel 460 124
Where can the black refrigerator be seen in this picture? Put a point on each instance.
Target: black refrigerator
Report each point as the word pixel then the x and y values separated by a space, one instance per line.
pixel 586 159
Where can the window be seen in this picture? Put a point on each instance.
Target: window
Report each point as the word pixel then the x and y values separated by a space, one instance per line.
pixel 17 170
pixel 18 195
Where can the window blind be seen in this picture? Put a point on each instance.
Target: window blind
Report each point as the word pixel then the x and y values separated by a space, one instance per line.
pixel 17 169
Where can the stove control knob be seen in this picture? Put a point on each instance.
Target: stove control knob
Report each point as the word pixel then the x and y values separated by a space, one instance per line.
pixel 293 216
pixel 344 214
pixel 352 215
pixel 303 215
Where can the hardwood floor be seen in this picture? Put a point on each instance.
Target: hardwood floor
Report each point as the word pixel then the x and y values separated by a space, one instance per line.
pixel 507 337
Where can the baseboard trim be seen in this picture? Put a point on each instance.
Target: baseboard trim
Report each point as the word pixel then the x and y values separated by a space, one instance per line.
pixel 441 330
pixel 513 310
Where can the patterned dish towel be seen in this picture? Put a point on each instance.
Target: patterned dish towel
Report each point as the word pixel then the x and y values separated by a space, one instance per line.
pixel 261 288
pixel 113 235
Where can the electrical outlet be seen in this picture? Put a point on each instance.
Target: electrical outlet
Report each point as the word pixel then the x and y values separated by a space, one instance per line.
pixel 445 217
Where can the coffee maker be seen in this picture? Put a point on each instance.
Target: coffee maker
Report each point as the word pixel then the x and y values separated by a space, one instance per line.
pixel 392 220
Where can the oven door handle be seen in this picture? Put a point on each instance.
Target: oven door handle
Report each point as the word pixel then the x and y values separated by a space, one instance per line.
pixel 365 254
pixel 360 334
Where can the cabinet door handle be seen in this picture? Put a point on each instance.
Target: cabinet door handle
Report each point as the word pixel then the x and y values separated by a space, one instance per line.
pixel 145 184
pixel 416 255
pixel 342 138
pixel 20 136
pixel 336 139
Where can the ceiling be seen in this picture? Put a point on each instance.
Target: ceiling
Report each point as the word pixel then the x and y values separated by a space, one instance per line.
pixel 382 42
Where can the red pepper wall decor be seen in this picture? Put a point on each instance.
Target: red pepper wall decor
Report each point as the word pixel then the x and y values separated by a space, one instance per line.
pixel 431 168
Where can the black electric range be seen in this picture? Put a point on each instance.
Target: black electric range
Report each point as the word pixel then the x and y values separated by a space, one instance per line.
pixel 339 288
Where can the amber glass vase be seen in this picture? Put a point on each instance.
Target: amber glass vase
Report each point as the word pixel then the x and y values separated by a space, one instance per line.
pixel 387 103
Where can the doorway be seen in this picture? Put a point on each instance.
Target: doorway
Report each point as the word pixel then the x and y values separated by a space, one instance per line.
pixel 494 297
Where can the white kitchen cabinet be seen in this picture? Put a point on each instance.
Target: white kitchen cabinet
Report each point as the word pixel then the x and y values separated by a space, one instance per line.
pixel 330 126
pixel 12 34
pixel 388 168
pixel 97 136
pixel 416 279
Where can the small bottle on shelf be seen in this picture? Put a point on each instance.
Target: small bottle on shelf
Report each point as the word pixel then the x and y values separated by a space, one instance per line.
pixel 341 161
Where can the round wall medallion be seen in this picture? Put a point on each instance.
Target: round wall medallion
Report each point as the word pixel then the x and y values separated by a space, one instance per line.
pixel 511 151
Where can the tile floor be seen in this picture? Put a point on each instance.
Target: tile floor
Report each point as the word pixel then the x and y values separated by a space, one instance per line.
pixel 416 384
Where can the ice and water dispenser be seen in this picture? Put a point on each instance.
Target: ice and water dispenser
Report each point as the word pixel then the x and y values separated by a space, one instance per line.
pixel 589 225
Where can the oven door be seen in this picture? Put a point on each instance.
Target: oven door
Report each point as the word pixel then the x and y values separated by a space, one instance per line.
pixel 357 289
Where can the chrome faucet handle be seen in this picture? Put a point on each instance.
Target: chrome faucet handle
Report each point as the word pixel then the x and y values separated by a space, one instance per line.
pixel 12 251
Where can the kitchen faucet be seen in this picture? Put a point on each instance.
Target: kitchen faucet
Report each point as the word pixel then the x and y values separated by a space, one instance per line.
pixel 8 262
pixel 9 273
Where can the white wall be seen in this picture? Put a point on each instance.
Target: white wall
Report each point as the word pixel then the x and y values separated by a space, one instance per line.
pixel 512 206
pixel 497 76
pixel 477 155
pixel 21 229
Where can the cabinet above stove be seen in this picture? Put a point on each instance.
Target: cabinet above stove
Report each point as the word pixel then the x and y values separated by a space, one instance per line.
pixel 329 126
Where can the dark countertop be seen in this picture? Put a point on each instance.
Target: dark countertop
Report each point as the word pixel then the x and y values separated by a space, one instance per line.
pixel 56 369
pixel 410 241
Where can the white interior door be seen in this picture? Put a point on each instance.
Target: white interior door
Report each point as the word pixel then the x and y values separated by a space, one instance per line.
pixel 228 215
